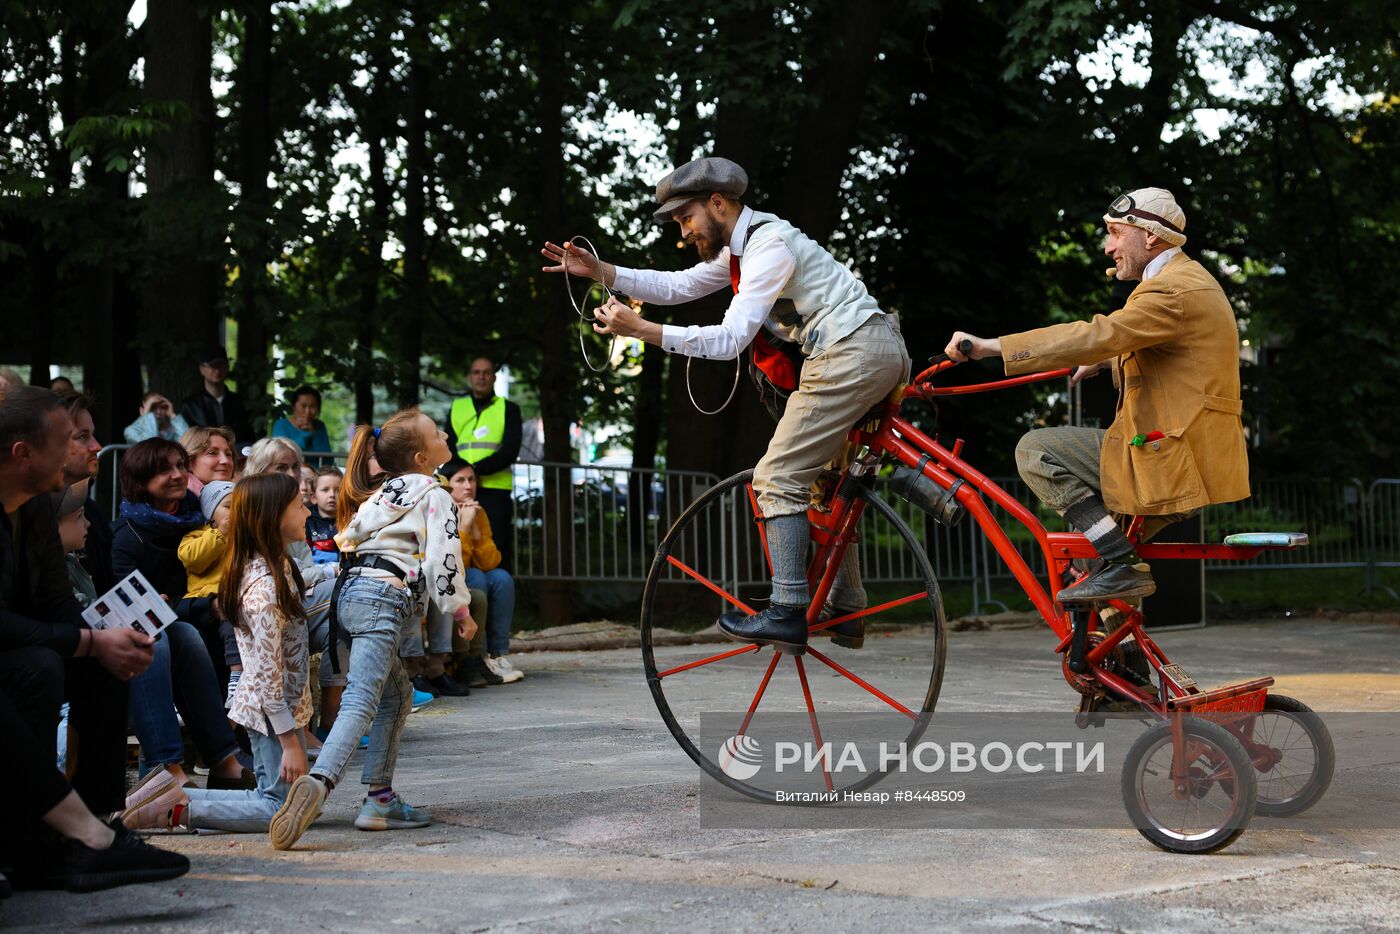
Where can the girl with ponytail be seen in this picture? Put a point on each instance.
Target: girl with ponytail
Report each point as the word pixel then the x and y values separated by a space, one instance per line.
pixel 400 555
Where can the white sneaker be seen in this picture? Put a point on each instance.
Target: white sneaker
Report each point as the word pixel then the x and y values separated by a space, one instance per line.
pixel 501 665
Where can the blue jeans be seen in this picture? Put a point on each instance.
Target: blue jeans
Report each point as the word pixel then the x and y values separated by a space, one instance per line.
pixel 378 694
pixel 500 606
pixel 244 811
pixel 181 676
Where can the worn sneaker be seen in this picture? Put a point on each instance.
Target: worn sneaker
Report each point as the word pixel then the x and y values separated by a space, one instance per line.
pixel 128 861
pixel 504 670
pixel 421 699
pixel 304 801
pixel 156 803
pixel 396 815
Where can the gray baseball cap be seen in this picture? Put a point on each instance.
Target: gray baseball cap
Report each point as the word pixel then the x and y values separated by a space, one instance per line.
pixel 697 179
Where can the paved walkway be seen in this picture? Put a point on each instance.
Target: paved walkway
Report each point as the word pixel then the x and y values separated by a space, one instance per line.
pixel 563 804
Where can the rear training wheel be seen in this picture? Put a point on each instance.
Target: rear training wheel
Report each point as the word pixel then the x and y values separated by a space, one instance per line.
pixel 1219 794
pixel 1293 754
pixel 714 559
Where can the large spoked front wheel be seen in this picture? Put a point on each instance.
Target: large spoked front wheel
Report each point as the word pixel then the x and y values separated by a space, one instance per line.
pixel 713 560
pixel 1200 808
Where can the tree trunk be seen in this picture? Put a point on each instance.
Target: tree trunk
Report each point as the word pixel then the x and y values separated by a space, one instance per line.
pixel 556 384
pixel 810 198
pixel 254 239
pixel 179 315
pixel 413 309
pixel 375 124
pixel 112 354
pixel 648 415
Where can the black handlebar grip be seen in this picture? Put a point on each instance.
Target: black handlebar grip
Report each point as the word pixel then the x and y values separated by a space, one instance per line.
pixel 964 345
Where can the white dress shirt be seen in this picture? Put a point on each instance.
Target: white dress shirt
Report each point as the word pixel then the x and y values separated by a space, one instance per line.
pixel 767 267
pixel 1158 262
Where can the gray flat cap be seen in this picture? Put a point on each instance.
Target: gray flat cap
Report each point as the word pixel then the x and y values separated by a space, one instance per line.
pixel 697 179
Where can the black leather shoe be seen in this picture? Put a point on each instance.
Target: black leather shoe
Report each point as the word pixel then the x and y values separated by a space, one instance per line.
pixel 446 686
pixel 423 685
pixel 783 627
pixel 848 635
pixel 1112 582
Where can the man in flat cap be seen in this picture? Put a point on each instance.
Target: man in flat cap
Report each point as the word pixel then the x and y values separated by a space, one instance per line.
pixel 1176 443
pixel 819 341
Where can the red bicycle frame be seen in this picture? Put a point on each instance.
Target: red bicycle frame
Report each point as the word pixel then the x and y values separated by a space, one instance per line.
pixel 895 436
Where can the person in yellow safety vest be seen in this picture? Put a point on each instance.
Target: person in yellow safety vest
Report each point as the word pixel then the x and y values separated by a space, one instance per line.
pixel 485 431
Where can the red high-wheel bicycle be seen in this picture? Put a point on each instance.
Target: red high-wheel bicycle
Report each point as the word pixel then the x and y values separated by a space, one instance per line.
pixel 1191 783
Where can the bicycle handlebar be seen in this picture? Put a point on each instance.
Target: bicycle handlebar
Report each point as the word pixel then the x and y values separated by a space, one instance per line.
pixel 919 386
pixel 943 362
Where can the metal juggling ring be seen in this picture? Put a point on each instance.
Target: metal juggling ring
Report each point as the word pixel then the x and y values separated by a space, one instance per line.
pixel 738 363
pixel 585 318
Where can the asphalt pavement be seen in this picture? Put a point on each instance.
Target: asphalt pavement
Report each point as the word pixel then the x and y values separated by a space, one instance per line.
pixel 562 803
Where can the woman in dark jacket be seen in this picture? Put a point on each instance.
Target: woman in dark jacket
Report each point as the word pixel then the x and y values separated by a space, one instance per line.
pixel 157 510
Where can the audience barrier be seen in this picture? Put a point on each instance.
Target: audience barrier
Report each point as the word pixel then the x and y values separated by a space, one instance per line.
pixel 606 529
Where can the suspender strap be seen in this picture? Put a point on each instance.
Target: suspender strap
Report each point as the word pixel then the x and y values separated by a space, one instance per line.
pixel 349 562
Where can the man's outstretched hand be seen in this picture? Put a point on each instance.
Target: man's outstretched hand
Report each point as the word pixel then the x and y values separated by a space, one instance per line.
pixel 573 260
pixel 982 347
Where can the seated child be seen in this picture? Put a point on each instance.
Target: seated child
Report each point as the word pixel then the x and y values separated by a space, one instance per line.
pixel 72 531
pixel 202 553
pixel 481 559
pixel 262 592
pixel 320 525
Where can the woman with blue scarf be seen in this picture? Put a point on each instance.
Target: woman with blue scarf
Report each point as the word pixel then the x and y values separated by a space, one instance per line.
pixel 157 510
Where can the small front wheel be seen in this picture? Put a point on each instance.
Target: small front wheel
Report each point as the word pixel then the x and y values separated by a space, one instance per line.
pixel 1212 803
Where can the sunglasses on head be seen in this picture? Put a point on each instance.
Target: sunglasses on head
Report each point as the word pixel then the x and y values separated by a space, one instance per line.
pixel 1126 208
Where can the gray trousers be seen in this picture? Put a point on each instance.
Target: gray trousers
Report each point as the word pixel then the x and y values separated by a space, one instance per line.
pixel 1061 467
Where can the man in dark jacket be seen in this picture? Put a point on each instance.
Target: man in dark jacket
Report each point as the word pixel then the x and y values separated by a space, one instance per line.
pixel 214 404
pixel 47 652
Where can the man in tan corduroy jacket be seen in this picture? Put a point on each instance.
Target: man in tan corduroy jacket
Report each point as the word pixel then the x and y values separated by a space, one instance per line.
pixel 1177 442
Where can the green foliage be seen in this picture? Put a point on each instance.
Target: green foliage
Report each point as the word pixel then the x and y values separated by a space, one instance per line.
pixel 988 138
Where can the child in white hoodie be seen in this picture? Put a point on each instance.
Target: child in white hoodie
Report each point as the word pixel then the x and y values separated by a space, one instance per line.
pixel 399 554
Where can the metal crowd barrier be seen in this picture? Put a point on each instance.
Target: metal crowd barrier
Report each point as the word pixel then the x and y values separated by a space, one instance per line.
pixel 615 516
pixel 1383 532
